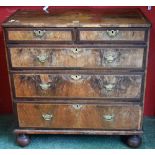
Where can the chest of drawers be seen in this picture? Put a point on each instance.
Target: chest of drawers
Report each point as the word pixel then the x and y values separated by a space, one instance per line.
pixel 78 72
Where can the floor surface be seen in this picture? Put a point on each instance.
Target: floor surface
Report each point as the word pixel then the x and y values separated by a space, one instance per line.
pixel 7 139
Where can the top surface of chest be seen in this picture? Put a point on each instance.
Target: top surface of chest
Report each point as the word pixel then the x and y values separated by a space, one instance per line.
pixel 78 18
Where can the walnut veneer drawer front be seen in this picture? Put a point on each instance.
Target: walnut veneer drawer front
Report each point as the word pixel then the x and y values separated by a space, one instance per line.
pixel 79 116
pixel 77 86
pixel 77 57
pixel 106 35
pixel 54 35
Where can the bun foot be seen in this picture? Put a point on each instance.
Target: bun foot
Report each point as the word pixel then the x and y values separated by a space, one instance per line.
pixel 133 141
pixel 22 140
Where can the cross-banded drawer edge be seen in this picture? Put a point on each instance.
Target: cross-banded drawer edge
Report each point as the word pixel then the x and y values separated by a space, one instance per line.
pixel 41 35
pixel 83 116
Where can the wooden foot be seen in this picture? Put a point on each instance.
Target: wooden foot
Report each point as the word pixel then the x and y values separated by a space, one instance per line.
pixel 133 141
pixel 22 140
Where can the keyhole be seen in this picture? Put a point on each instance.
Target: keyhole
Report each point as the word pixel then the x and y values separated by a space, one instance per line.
pixel 39 31
pixel 76 50
pixel 77 106
pixel 112 31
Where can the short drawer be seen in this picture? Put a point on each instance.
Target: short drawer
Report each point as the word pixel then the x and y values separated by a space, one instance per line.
pixel 69 85
pixel 40 35
pixel 80 116
pixel 28 57
pixel 112 35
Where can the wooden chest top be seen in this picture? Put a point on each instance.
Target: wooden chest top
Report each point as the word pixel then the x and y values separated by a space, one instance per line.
pixel 78 18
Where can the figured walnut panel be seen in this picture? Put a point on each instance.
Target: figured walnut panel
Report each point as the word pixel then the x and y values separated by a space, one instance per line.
pixel 122 57
pixel 78 86
pixel 26 35
pixel 77 57
pixel 103 36
pixel 85 116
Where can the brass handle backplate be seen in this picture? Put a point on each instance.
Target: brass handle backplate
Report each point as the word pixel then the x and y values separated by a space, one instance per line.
pixel 108 117
pixel 42 58
pixel 44 86
pixel 47 117
pixel 39 33
pixel 112 33
pixel 109 58
pixel 109 87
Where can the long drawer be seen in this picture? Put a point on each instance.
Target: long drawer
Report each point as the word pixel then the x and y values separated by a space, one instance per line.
pixel 83 116
pixel 67 85
pixel 40 35
pixel 112 35
pixel 33 57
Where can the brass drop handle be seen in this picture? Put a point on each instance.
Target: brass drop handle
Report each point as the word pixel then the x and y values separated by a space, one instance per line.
pixel 45 86
pixel 47 117
pixel 75 50
pixel 39 33
pixel 108 117
pixel 76 77
pixel 109 87
pixel 42 58
pixel 112 33
pixel 109 58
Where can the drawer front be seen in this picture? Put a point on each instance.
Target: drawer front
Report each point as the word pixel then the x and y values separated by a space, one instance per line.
pixel 54 35
pixel 77 86
pixel 79 116
pixel 77 57
pixel 112 35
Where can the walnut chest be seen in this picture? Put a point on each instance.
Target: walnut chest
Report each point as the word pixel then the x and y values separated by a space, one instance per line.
pixel 78 72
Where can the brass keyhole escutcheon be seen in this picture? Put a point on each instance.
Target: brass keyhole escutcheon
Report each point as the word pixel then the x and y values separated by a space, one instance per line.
pixel 39 33
pixel 76 50
pixel 112 33
pixel 77 106
pixel 76 77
